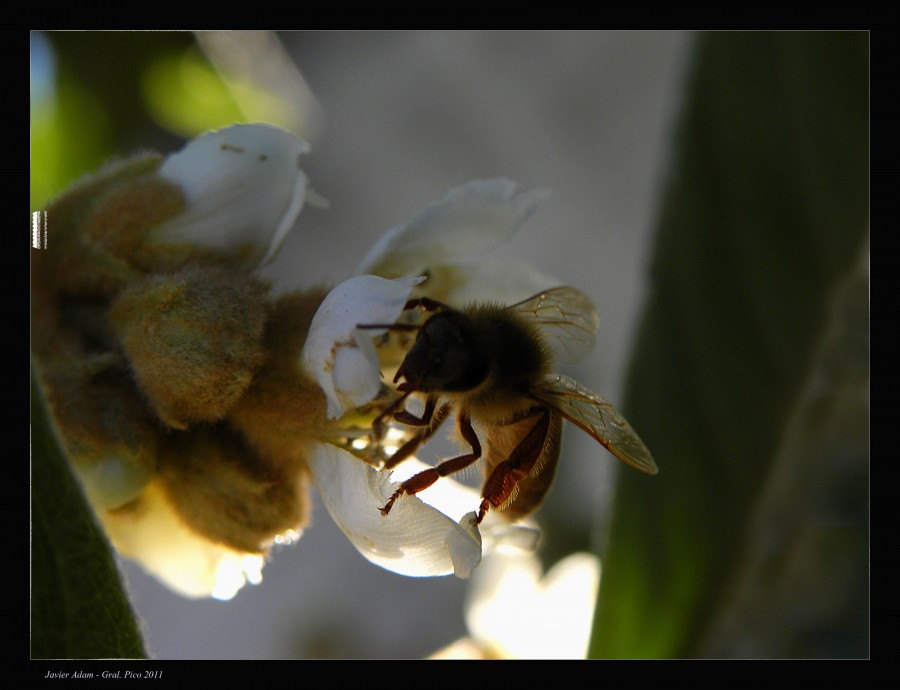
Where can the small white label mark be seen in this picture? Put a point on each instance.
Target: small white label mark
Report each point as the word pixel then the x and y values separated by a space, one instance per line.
pixel 39 229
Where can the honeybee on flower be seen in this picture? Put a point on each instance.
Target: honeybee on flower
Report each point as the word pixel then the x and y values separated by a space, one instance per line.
pixel 197 407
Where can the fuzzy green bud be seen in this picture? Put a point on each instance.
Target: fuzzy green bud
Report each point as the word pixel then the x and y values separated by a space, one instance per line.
pixel 99 225
pixel 283 409
pixel 193 340
pixel 224 491
pixel 108 432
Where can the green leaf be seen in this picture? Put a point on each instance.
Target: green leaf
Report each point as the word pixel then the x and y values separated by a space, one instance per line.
pixel 764 219
pixel 186 95
pixel 78 607
pixel 89 107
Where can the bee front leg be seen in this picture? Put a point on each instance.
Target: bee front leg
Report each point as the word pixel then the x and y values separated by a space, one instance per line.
pixel 380 422
pixel 429 422
pixel 424 479
pixel 500 486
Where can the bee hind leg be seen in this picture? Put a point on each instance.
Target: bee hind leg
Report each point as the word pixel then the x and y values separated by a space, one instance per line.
pixel 500 486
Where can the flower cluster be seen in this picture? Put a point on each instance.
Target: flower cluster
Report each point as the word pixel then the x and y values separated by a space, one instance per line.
pixel 197 407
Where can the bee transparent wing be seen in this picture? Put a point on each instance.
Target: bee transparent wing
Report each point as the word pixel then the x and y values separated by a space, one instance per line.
pixel 566 318
pixel 592 413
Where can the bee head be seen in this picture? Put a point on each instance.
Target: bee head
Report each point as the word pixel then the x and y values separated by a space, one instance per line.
pixel 446 356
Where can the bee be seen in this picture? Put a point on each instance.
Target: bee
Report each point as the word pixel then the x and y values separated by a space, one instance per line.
pixel 490 365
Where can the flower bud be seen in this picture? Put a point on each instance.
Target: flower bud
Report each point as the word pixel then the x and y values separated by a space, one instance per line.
pixel 109 435
pixel 193 340
pixel 149 531
pixel 100 222
pixel 284 409
pixel 227 493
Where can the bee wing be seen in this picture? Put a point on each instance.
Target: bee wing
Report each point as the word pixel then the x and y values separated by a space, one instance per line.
pixel 596 416
pixel 565 317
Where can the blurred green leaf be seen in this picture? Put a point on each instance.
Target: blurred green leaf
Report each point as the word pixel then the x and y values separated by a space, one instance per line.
pixel 765 216
pixel 801 586
pixel 184 94
pixel 69 134
pixel 78 607
pixel 89 106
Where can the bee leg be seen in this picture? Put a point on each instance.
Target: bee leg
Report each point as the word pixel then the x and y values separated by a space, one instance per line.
pixel 501 484
pixel 429 422
pixel 380 422
pixel 425 478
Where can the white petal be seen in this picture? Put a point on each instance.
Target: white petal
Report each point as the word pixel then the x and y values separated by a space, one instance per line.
pixel 414 539
pixel 492 279
pixel 457 501
pixel 500 535
pixel 463 649
pixel 355 375
pixel 243 188
pixel 154 536
pixel 470 220
pixel 512 610
pixel 111 481
pixel 340 356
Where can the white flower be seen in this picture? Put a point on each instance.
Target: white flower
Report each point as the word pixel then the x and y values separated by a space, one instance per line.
pixel 513 612
pixel 451 241
pixel 341 356
pixel 414 538
pixel 472 219
pixel 243 189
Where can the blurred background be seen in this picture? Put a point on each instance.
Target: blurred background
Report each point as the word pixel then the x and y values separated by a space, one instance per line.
pixel 395 119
